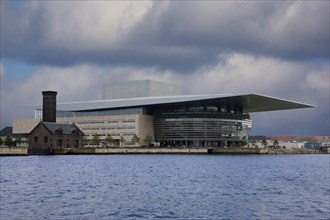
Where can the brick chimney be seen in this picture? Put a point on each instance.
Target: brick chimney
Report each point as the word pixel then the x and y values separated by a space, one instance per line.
pixel 49 106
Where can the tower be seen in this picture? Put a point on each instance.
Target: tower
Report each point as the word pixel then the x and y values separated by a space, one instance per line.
pixel 49 106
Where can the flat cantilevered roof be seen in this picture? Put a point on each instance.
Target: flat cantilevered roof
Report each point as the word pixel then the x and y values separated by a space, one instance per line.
pixel 249 102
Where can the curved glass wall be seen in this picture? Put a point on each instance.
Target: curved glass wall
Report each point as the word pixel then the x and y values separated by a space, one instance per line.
pixel 202 125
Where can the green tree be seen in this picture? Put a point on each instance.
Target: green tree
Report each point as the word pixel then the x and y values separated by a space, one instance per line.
pixel 148 139
pixel 253 143
pixel 96 139
pixel 109 139
pixel 264 143
pixel 135 139
pixel 162 140
pixel 276 143
pixel 9 141
pixel 1 141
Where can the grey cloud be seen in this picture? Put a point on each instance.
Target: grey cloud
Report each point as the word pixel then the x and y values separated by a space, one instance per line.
pixel 175 35
pixel 233 73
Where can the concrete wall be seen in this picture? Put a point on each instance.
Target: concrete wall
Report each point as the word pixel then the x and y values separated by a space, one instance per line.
pixel 145 126
pixel 130 150
pixel 138 88
pixel 5 151
pixel 113 125
pixel 141 125
pixel 236 150
pixel 24 126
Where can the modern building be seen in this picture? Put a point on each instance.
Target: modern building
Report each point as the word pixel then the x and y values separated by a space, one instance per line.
pixel 215 120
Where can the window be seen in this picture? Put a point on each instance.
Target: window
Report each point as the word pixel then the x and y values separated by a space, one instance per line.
pixel 46 139
pixel 59 142
pixel 35 139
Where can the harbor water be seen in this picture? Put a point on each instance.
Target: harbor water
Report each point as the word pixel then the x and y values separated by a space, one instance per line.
pixel 165 186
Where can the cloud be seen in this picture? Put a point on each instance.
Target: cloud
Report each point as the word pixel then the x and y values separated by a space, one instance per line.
pixel 176 35
pixel 2 70
pixel 276 48
pixel 232 73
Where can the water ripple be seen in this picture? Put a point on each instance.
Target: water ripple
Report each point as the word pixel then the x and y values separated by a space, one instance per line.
pixel 165 187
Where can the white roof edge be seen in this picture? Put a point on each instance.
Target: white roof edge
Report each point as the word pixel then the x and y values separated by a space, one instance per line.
pixel 253 102
pixel 286 100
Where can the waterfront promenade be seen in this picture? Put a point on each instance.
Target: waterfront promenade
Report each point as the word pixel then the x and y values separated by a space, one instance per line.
pixel 153 150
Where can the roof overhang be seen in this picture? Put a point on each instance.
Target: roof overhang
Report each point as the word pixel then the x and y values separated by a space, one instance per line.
pixel 249 102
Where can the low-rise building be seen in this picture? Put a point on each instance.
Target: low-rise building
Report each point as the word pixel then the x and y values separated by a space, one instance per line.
pixel 48 135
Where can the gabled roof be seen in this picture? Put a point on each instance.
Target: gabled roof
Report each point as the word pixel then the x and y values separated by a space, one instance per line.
pixel 249 102
pixel 52 127
pixel 6 131
pixel 66 128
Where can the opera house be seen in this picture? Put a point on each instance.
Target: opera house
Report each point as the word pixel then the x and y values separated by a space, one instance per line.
pixel 157 109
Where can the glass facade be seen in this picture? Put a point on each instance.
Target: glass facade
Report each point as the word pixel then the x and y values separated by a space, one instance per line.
pixel 202 125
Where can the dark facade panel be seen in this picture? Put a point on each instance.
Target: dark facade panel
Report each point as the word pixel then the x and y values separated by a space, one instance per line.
pixel 49 106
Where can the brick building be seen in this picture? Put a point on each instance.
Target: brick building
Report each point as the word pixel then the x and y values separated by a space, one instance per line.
pixel 48 135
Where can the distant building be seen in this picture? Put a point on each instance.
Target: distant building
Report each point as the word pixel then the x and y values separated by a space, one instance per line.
pixel 308 139
pixel 288 142
pixel 48 135
pixel 6 131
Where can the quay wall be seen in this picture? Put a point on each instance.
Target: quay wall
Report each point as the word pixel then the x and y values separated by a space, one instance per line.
pixel 239 150
pixel 6 151
pixel 145 150
pixel 130 150
pixel 295 151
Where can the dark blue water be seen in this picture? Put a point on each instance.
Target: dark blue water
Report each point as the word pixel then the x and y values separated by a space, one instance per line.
pixel 165 186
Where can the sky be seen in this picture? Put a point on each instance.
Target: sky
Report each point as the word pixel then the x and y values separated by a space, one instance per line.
pixel 274 48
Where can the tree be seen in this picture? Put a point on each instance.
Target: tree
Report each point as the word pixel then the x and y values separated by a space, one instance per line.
pixel 162 140
pixel 135 139
pixel 122 140
pixel 148 139
pixel 264 143
pixel 253 143
pixel 109 139
pixel 9 141
pixel 1 141
pixel 276 143
pixel 96 139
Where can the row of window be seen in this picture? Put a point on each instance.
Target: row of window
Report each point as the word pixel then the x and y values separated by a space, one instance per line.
pixel 117 135
pixel 107 122
pixel 59 142
pixel 127 111
pixel 201 108
pixel 108 128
